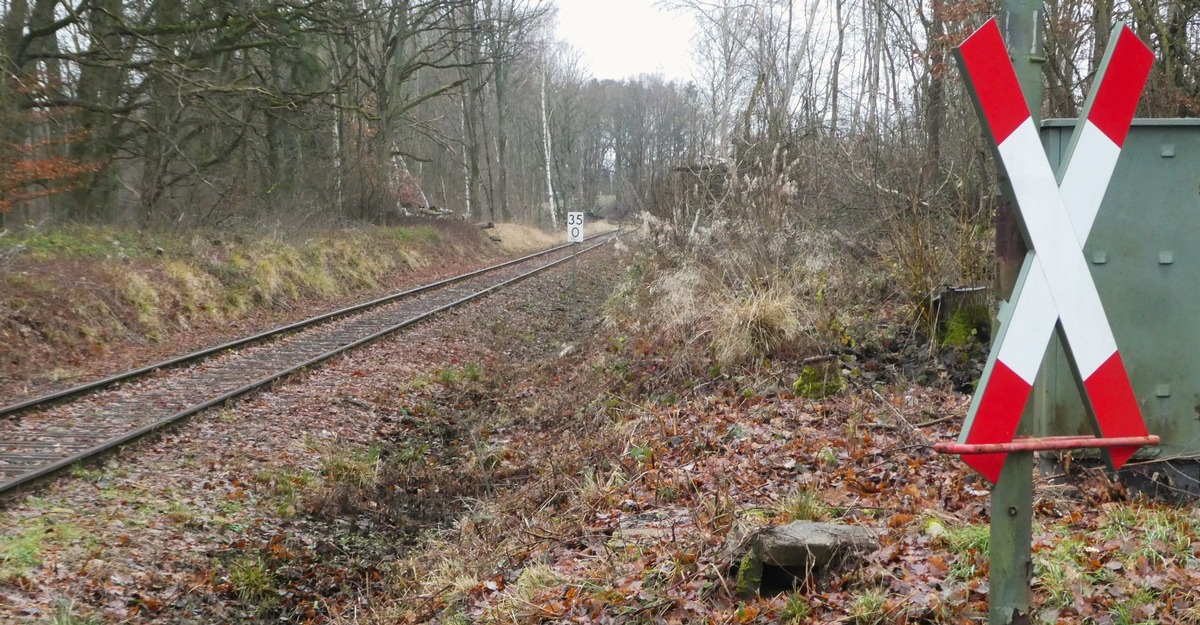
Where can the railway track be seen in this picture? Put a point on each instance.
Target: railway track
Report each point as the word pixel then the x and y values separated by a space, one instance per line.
pixel 43 435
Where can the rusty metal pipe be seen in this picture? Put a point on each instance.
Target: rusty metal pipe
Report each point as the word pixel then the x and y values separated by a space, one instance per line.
pixel 1050 443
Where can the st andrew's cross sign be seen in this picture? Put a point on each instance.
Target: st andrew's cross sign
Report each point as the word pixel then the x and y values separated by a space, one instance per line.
pixel 1055 289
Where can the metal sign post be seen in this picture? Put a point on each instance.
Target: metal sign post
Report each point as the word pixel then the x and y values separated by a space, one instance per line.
pixel 574 235
pixel 1054 292
pixel 1010 548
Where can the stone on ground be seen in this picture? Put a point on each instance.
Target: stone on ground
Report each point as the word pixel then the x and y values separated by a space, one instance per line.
pixel 802 547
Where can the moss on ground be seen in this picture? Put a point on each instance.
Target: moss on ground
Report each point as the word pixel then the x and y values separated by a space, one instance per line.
pixel 818 382
pixel 966 326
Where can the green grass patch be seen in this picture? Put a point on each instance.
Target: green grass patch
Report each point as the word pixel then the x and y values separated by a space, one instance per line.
pixel 79 241
pixel 182 514
pixel 253 581
pixel 21 553
pixel 1061 571
pixel 414 235
pixel 411 454
pixel 80 472
pixel 795 609
pixel 870 607
pixel 803 505
pixel 196 289
pixel 355 468
pixel 967 543
pixel 1161 534
pixel 141 295
pixel 448 377
pixel 285 487
pixel 1138 609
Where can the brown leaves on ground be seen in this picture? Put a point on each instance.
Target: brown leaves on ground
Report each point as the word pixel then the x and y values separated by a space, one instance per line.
pixel 512 463
pixel 635 497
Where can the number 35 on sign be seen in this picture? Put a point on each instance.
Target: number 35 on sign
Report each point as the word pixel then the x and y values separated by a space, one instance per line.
pixel 575 227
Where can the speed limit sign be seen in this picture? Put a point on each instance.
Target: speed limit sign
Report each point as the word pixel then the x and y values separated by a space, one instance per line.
pixel 575 227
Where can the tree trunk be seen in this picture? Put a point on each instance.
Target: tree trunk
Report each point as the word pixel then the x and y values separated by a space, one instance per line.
pixel 549 152
pixel 500 86
pixel 836 68
pixel 100 84
pixel 935 103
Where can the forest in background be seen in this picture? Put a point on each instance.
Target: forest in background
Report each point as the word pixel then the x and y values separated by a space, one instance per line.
pixel 844 114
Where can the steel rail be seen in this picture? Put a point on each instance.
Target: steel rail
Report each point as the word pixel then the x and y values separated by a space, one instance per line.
pixel 40 472
pixel 196 356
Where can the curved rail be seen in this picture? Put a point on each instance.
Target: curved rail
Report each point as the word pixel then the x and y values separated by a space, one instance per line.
pixel 196 356
pixel 47 450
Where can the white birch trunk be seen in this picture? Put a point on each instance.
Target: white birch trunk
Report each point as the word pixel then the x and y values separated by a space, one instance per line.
pixel 466 164
pixel 549 151
pixel 337 161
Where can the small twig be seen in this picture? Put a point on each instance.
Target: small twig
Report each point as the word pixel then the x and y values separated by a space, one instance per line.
pixel 721 578
pixel 627 401
pixel 431 597
pixel 889 426
pixel 909 426
pixel 895 450
pixel 358 402
pixel 483 472
pixel 544 536
pixel 937 421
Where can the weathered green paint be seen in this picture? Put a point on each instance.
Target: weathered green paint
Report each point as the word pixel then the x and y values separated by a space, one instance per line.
pixel 1146 264
pixel 1010 568
pixel 1021 23
pixel 1010 546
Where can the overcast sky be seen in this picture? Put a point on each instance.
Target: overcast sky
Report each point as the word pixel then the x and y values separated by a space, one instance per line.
pixel 624 38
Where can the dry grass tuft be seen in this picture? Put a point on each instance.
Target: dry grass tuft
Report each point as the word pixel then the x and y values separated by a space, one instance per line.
pixel 522 239
pixel 759 322
pixel 140 294
pixel 680 299
pixel 736 322
pixel 518 239
pixel 196 289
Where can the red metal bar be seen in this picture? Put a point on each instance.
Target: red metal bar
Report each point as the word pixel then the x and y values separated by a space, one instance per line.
pixel 1050 443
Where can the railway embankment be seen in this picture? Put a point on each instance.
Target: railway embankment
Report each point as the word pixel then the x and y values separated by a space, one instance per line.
pixel 82 302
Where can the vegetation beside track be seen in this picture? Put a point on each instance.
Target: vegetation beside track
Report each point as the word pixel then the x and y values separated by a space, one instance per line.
pixel 80 297
pixel 618 481
pixel 585 449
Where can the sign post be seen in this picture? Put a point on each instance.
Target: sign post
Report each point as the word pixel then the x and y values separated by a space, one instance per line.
pixel 1011 544
pixel 574 235
pixel 1054 292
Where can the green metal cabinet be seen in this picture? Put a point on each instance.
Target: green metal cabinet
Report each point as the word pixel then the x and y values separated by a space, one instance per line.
pixel 1144 253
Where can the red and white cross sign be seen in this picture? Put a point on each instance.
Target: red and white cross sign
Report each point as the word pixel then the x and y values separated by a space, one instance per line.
pixel 1055 288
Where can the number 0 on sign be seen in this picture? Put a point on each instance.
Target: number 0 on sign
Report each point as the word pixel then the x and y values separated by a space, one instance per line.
pixel 575 227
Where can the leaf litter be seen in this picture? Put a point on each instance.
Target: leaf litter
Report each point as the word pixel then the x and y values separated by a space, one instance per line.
pixel 516 462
